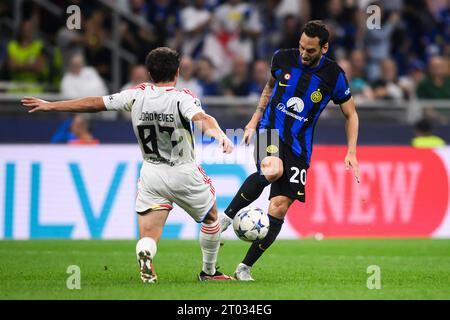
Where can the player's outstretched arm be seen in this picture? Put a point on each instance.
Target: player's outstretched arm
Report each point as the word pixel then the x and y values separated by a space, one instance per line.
pixel 250 128
pixel 210 127
pixel 351 129
pixel 88 104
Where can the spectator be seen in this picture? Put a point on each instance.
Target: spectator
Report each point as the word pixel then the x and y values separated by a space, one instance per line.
pixel 378 43
pixel 260 76
pixel 94 50
pixel 81 80
pixel 387 87
pixel 187 79
pixel 206 77
pixel 342 23
pixel 81 131
pixel 236 26
pixel 139 74
pixel 359 63
pixel 164 16
pixel 424 137
pixel 296 8
pixel 237 83
pixel 436 85
pixel 291 32
pixel 195 21
pixel 415 74
pixel 26 60
pixel 361 91
pixel 138 38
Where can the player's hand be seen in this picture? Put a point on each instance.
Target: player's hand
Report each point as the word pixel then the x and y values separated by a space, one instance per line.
pixel 35 104
pixel 226 144
pixel 250 130
pixel 351 162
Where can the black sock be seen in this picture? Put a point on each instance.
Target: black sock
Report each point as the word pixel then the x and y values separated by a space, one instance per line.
pixel 258 247
pixel 250 190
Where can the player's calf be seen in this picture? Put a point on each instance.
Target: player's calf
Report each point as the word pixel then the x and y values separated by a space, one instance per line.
pixel 210 244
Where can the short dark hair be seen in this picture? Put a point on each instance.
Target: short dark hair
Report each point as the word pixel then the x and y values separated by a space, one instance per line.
pixel 316 28
pixel 162 63
pixel 423 125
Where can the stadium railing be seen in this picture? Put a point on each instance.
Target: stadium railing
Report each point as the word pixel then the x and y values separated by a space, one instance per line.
pixel 404 111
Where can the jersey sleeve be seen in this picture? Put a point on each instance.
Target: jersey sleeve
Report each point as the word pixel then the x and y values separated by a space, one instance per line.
pixel 276 62
pixel 341 92
pixel 189 106
pixel 122 101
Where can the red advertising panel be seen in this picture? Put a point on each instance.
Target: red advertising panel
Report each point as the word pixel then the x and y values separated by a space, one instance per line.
pixel 403 193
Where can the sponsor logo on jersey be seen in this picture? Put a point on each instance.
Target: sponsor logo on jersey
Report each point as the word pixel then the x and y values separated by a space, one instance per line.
pixel 295 104
pixel 316 96
pixel 285 110
pixel 283 85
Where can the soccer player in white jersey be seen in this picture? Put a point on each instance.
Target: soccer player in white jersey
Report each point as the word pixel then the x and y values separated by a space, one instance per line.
pixel 162 117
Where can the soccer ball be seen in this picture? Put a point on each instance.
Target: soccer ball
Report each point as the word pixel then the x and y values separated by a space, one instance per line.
pixel 251 224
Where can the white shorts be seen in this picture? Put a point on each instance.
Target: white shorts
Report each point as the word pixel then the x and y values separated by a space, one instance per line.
pixel 187 185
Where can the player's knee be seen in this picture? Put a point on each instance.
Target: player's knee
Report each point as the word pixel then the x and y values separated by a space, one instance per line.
pixel 272 168
pixel 279 206
pixel 212 215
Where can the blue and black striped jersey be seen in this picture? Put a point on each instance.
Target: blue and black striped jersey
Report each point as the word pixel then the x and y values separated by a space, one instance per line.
pixel 299 97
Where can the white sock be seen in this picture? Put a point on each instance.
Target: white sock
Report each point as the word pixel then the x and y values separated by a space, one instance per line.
pixel 148 244
pixel 210 243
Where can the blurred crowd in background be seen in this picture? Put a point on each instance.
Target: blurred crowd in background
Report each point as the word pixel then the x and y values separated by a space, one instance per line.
pixel 227 45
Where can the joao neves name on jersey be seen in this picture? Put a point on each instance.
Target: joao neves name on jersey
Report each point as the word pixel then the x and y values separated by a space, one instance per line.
pixel 154 116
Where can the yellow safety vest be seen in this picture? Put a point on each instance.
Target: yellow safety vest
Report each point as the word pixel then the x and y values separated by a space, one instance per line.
pixel 428 142
pixel 31 80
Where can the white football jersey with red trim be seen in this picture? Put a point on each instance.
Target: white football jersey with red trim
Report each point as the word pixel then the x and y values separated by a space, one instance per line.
pixel 161 118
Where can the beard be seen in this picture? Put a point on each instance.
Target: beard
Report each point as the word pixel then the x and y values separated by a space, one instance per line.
pixel 312 61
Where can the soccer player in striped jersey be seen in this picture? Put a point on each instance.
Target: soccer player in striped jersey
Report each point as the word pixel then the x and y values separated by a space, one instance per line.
pixel 303 80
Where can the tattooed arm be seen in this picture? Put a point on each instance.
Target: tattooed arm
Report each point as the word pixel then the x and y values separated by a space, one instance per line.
pixel 250 128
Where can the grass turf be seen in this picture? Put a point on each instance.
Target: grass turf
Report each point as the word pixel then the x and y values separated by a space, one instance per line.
pixel 293 269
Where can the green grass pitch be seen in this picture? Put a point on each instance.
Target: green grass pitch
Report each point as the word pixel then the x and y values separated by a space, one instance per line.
pixel 291 269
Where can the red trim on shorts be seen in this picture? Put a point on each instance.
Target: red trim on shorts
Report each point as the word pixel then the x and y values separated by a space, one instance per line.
pixel 167 206
pixel 206 179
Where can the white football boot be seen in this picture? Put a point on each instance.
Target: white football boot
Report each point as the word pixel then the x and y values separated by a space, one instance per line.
pixel 225 222
pixel 148 274
pixel 242 273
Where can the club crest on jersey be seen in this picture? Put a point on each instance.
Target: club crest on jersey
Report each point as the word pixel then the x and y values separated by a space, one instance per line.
pixel 287 76
pixel 316 96
pixel 272 149
pixel 295 104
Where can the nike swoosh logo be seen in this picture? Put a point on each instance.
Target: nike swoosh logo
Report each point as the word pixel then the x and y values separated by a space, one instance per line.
pixel 283 85
pixel 300 193
pixel 242 195
pixel 261 247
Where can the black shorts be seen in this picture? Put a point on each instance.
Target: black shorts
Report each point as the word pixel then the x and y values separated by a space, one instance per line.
pixel 292 183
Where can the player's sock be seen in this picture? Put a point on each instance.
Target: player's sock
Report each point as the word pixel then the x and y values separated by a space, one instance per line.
pixel 250 190
pixel 210 243
pixel 146 244
pixel 258 247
